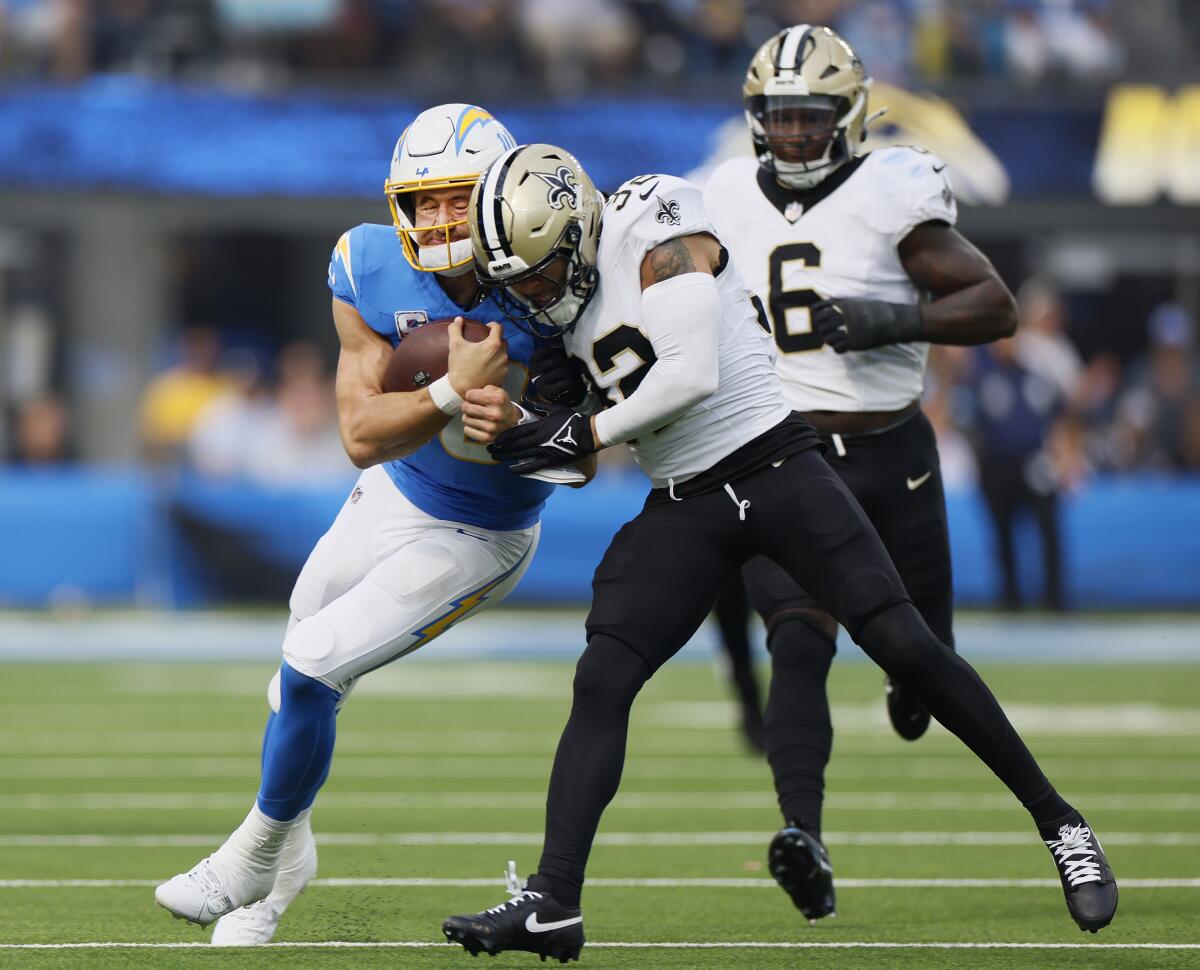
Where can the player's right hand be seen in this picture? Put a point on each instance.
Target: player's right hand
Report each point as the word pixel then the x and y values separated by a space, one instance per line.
pixel 557 378
pixel 472 365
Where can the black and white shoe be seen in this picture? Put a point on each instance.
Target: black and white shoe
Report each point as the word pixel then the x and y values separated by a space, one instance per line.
pixel 905 711
pixel 533 921
pixel 800 864
pixel 1088 883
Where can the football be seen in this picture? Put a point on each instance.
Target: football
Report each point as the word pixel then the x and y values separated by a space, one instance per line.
pixel 422 356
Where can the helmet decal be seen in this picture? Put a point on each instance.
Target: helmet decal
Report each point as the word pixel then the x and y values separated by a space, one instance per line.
pixel 562 187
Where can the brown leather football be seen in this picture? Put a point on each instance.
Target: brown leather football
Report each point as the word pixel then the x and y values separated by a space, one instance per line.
pixel 422 356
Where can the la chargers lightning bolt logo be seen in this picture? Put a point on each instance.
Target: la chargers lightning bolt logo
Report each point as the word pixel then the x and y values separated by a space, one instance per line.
pixel 562 187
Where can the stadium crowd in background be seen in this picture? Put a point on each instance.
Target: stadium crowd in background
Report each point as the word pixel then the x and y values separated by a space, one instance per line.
pixel 677 45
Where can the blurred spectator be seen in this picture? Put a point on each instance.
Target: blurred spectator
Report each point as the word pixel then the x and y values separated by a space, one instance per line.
pixel 157 37
pixel 1150 427
pixel 578 41
pixel 297 441
pixel 1042 344
pixel 481 48
pixel 280 438
pixel 943 404
pixel 41 434
pixel 174 399
pixel 1016 416
pixel 216 445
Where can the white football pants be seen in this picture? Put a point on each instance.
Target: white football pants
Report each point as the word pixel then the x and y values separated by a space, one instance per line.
pixel 387 578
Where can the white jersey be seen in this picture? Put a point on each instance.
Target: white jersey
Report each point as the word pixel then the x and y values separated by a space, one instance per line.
pixel 610 340
pixel 843 245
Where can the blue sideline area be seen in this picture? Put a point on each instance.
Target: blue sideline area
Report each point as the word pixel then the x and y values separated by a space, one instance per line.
pixel 131 134
pixel 123 536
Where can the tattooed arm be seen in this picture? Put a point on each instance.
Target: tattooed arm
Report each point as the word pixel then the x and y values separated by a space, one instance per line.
pixel 681 317
pixel 698 253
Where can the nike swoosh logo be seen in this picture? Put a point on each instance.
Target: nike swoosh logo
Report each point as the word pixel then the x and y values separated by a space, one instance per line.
pixel 938 168
pixel 472 535
pixel 534 926
pixel 645 195
pixel 915 483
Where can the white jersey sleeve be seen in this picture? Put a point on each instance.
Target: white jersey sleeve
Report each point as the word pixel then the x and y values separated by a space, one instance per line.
pixel 650 210
pixel 617 343
pixel 913 189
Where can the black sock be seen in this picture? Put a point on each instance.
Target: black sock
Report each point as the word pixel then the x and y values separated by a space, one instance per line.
pixel 900 642
pixel 588 763
pixel 1052 814
pixel 732 612
pixel 799 735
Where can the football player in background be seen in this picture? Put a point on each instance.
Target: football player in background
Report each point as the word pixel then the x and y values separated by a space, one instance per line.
pixel 650 303
pixel 857 268
pixel 434 530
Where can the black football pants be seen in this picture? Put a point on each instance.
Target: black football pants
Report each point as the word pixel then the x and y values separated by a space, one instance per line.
pixel 657 582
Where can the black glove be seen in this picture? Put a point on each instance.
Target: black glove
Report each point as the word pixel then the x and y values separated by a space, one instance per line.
pixel 861 324
pixel 560 438
pixel 557 378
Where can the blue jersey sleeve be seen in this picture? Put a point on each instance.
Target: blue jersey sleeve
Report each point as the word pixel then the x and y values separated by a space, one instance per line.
pixel 343 265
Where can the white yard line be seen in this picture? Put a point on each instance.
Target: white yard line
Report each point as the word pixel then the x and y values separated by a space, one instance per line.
pixel 647 883
pixel 591 945
pixel 651 801
pixel 470 766
pixel 682 839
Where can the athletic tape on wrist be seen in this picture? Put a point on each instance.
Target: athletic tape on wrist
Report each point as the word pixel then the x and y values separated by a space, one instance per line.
pixel 445 397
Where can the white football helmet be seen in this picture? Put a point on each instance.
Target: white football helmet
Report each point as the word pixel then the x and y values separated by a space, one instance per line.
pixel 446 146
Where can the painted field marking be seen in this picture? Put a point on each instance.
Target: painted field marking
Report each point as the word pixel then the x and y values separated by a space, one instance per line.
pixel 593 945
pixel 764 799
pixel 648 883
pixel 683 839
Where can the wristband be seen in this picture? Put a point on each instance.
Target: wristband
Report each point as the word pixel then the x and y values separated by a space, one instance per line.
pixel 445 398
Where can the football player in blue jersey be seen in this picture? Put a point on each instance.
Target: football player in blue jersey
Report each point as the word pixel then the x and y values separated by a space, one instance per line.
pixel 434 530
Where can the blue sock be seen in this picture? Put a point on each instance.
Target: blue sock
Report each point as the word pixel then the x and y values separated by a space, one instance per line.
pixel 271 715
pixel 297 745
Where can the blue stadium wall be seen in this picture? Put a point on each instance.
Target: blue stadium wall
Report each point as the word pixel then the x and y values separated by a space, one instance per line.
pixel 113 537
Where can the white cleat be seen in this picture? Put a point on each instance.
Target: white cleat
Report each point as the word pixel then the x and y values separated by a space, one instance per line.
pixel 209 891
pixel 256 923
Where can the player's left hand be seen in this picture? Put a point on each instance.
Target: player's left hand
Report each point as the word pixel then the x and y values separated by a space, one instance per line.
pixel 487 412
pixel 562 437
pixel 846 324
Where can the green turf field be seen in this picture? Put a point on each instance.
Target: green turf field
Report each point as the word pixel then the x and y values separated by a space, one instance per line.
pixel 113 777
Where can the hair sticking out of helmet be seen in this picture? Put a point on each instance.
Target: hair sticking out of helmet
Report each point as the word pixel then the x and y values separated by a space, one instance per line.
pixel 435 165
pixel 534 219
pixel 805 96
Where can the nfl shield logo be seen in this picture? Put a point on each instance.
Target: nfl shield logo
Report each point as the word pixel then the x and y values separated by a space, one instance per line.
pixel 356 495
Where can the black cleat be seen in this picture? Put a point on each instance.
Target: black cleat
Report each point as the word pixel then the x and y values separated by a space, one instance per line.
pixel 530 921
pixel 905 710
pixel 800 864
pixel 1088 883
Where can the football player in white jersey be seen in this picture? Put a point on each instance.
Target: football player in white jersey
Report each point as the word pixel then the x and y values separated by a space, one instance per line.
pixel 650 304
pixel 434 531
pixel 857 268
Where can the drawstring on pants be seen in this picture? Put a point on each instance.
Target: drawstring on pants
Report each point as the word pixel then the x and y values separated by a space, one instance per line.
pixel 742 504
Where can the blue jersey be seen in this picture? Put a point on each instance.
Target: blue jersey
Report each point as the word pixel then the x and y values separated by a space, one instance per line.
pixel 451 477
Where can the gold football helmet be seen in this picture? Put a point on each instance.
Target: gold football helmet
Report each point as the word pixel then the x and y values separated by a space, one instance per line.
pixel 806 103
pixel 535 230
pixel 446 146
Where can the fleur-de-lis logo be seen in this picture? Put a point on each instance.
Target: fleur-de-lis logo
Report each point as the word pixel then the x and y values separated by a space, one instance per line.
pixel 668 212
pixel 562 187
